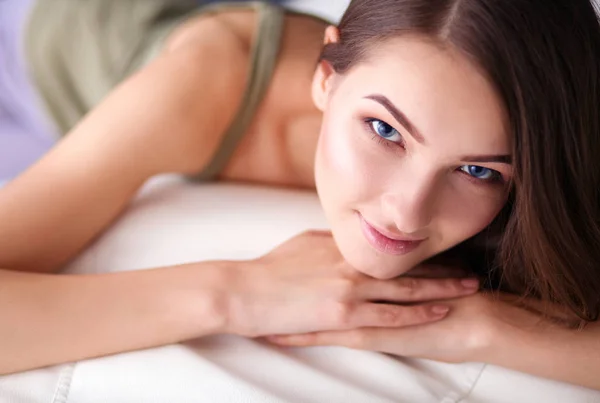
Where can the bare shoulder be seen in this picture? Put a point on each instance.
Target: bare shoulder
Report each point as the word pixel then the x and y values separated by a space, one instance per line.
pixel 171 114
pixel 230 30
pixel 203 67
pixel 193 88
pixel 209 42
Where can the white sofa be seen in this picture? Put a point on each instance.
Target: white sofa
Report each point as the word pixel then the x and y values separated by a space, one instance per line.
pixel 174 222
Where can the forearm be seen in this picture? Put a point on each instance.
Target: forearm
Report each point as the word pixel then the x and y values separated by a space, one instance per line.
pixel 52 319
pixel 553 352
pixel 58 206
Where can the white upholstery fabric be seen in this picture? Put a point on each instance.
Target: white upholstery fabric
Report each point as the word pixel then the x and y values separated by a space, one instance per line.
pixel 330 10
pixel 175 222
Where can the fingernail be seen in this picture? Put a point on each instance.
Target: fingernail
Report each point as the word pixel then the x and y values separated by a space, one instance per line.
pixel 470 283
pixel 440 309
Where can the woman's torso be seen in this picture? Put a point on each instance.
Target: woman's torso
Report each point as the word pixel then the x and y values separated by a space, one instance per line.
pixel 286 114
pixel 76 64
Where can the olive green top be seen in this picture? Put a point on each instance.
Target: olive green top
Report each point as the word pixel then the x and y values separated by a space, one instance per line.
pixel 78 51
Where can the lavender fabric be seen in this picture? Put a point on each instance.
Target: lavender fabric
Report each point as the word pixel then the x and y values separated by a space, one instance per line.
pixel 25 130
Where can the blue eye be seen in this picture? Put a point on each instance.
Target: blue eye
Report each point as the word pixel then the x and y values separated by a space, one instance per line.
pixel 384 130
pixel 481 173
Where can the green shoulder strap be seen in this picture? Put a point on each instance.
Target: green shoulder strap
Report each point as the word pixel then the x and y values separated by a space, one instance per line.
pixel 265 48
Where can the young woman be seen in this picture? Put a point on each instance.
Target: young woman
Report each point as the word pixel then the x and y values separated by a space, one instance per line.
pixel 450 125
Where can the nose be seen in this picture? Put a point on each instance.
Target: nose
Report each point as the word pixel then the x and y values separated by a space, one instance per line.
pixel 410 206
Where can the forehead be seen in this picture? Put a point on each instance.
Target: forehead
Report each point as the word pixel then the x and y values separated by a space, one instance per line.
pixel 440 90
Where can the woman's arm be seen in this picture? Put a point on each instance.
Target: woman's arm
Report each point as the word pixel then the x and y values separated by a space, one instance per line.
pixel 553 352
pixel 484 328
pixel 49 319
pixel 167 118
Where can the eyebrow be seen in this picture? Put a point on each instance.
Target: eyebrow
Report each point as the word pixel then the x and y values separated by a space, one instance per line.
pixel 503 159
pixel 412 130
pixel 398 115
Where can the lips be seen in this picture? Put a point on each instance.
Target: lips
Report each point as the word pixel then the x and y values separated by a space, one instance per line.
pixel 384 243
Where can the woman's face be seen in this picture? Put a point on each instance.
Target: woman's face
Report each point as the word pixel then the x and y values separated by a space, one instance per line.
pixel 413 156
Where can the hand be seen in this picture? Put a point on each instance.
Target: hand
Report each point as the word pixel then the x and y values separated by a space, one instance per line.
pixel 469 332
pixel 305 286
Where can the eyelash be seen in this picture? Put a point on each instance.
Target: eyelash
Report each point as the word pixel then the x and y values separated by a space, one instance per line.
pixel 498 179
pixel 368 122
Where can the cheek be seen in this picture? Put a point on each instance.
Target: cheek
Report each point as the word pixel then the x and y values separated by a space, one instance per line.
pixel 343 170
pixel 466 214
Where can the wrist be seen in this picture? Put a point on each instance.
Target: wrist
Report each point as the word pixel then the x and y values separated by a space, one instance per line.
pixel 203 298
pixel 481 344
pixel 231 300
pixel 505 341
pixel 536 348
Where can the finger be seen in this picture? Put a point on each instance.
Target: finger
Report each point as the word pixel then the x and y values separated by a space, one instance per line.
pixel 345 338
pixel 407 289
pixel 391 316
pixel 437 271
pixel 318 233
pixel 382 340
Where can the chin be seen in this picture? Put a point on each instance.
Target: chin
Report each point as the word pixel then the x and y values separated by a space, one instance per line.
pixel 370 262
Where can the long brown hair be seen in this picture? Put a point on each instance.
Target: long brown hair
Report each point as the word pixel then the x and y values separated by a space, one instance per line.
pixel 543 57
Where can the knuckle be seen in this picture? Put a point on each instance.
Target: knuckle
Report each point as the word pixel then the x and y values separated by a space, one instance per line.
pixel 306 236
pixel 308 339
pixel 344 270
pixel 389 315
pixel 344 290
pixel 357 339
pixel 479 337
pixel 409 287
pixel 340 314
pixel 316 233
pixel 452 285
pixel 419 314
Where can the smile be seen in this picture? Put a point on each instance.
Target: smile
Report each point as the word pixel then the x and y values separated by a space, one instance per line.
pixel 384 243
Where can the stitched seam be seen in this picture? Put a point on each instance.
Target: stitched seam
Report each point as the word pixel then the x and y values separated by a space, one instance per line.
pixel 63 386
pixel 477 378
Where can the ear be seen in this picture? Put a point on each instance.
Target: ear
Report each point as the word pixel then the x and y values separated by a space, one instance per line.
pixel 322 80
